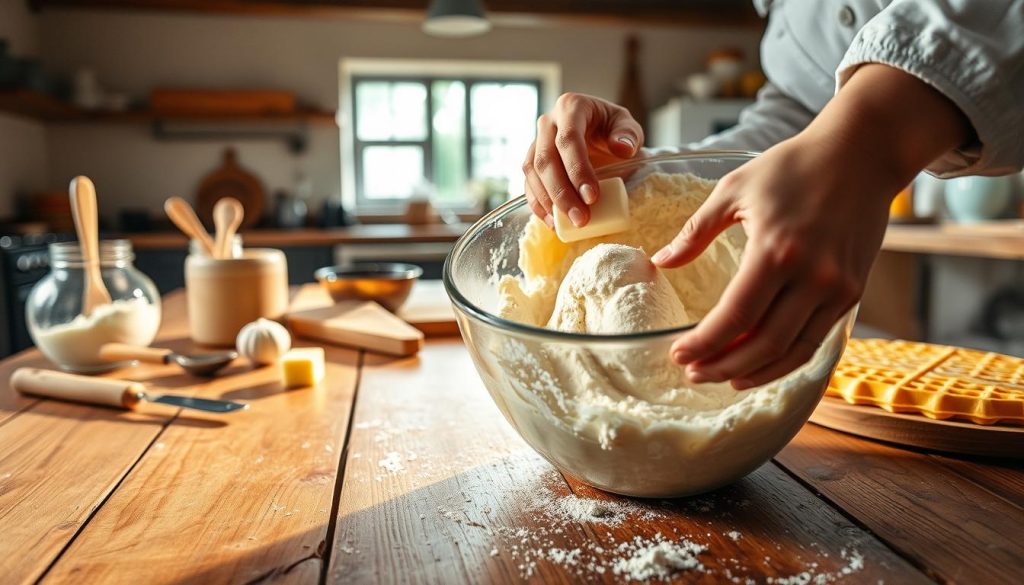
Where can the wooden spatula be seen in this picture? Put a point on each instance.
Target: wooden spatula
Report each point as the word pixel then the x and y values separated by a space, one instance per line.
pixel 227 216
pixel 183 216
pixel 83 210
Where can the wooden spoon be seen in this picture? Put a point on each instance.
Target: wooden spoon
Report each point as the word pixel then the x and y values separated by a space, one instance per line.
pixel 227 216
pixel 83 210
pixel 183 216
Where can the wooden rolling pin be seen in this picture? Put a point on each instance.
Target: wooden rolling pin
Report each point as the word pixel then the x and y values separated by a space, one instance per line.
pixel 117 393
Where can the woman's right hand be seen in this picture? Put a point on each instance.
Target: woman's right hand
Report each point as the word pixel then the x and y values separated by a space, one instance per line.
pixel 582 132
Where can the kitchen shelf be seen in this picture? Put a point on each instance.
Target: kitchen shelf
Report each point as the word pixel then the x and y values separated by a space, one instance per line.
pixel 45 108
pixel 512 12
pixel 995 239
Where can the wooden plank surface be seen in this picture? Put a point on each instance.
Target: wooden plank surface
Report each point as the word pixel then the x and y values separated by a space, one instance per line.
pixel 964 241
pixel 59 461
pixel 239 498
pixel 439 489
pixel 930 514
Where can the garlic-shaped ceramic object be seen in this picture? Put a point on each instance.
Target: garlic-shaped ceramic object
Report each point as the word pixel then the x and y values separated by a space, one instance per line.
pixel 263 341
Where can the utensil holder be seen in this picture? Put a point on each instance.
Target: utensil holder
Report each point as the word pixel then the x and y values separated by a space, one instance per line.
pixel 224 294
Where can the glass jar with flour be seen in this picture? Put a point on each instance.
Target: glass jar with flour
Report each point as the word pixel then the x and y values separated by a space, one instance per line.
pixel 71 339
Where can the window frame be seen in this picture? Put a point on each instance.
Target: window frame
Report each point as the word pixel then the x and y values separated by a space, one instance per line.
pixel 545 76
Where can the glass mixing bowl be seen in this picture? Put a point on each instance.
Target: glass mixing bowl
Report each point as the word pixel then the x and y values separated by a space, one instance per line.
pixel 668 451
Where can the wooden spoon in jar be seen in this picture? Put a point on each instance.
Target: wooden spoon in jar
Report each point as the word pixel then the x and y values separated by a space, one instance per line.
pixel 227 216
pixel 183 216
pixel 83 210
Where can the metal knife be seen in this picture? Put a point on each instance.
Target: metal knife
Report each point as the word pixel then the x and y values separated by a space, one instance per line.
pixel 107 392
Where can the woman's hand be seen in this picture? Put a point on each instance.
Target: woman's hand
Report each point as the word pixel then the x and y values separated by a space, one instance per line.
pixel 814 225
pixel 815 208
pixel 582 132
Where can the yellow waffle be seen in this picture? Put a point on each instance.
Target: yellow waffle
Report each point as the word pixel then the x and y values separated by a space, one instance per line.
pixel 937 381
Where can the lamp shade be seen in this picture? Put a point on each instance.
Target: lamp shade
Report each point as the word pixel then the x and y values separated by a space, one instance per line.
pixel 456 18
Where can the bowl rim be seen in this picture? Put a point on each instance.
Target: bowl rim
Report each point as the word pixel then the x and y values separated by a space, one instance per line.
pixel 460 301
pixel 369 270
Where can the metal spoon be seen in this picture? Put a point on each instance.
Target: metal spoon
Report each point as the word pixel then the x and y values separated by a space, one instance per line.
pixel 197 365
pixel 116 393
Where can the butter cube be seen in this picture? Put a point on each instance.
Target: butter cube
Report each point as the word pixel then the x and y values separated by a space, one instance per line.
pixel 303 366
pixel 609 215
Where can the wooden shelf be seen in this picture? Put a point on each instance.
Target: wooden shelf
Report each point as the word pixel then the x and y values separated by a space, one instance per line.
pixel 511 12
pixel 45 108
pixel 994 239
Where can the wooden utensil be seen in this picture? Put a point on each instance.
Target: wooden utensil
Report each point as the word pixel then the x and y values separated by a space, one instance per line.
pixel 183 216
pixel 916 430
pixel 83 210
pixel 204 364
pixel 227 216
pixel 106 392
pixel 361 324
pixel 231 180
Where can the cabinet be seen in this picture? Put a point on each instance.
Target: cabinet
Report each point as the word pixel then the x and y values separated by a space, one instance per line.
pixel 684 120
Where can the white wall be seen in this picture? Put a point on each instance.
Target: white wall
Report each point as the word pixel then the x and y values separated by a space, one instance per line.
pixel 22 141
pixel 135 52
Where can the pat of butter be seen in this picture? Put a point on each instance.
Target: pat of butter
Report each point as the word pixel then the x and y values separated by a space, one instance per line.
pixel 303 366
pixel 610 215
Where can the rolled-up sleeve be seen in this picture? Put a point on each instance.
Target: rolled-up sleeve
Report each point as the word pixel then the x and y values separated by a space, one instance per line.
pixel 970 51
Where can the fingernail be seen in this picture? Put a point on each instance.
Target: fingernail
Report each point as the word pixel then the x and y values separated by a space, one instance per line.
pixel 576 217
pixel 627 141
pixel 550 221
pixel 589 194
pixel 696 377
pixel 742 384
pixel 662 255
pixel 679 357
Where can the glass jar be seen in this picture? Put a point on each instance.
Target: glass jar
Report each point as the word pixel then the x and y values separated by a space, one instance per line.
pixel 72 340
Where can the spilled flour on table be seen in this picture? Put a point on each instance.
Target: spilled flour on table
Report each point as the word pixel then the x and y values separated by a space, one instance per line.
pixel 649 558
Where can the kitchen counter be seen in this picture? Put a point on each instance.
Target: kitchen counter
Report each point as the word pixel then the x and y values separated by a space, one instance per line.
pixel 404 471
pixel 390 233
pixel 994 239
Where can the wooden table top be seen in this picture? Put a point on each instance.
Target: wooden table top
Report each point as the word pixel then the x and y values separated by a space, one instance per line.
pixel 403 471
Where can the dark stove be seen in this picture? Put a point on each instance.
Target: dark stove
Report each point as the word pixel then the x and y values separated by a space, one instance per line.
pixel 24 260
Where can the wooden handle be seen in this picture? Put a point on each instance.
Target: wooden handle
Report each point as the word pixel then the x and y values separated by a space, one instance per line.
pixel 83 210
pixel 183 216
pixel 227 216
pixel 116 352
pixel 118 393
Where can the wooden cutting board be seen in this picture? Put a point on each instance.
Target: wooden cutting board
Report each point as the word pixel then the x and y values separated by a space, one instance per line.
pixel 360 324
pixel 231 180
pixel 920 431
pixel 428 308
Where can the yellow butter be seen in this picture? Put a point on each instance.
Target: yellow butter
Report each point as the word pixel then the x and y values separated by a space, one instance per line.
pixel 303 367
pixel 609 215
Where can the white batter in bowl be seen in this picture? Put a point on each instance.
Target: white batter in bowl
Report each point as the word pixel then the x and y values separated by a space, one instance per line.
pixel 572 341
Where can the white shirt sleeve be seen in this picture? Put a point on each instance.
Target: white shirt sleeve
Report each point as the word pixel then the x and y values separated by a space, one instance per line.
pixel 973 52
pixel 771 119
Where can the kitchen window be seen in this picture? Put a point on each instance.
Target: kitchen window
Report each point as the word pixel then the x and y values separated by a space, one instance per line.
pixel 449 130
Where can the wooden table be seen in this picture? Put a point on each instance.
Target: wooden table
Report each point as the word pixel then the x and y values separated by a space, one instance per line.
pixel 403 471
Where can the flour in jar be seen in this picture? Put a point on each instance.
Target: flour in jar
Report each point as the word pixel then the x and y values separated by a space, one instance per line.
pixel 75 345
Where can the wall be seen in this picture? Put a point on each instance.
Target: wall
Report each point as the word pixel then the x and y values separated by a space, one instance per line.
pixel 135 52
pixel 22 142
